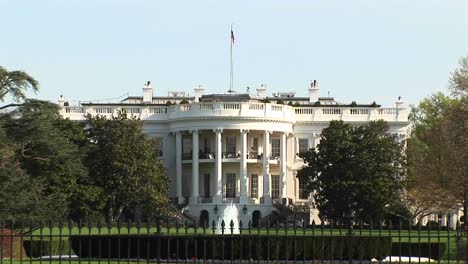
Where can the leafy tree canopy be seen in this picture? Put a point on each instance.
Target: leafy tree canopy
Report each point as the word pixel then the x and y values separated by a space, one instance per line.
pixel 15 83
pixel 356 172
pixel 124 163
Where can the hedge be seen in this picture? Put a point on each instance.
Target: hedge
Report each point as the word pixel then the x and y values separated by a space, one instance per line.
pixel 37 248
pixel 238 247
pixel 431 250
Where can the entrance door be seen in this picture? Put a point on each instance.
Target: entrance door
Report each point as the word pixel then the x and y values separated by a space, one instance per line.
pixel 206 184
pixel 230 185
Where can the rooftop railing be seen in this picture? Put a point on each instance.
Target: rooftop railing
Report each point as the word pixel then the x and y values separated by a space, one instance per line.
pixel 243 110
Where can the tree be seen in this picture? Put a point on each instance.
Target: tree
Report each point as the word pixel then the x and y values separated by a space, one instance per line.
pixel 459 79
pixel 356 172
pixel 438 150
pixel 22 196
pixel 16 83
pixel 433 176
pixel 124 163
pixel 45 148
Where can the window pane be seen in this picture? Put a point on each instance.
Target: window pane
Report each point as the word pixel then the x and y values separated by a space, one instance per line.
pixel 275 147
pixel 231 146
pixel 254 186
pixel 303 193
pixel 275 190
pixel 230 185
pixel 303 145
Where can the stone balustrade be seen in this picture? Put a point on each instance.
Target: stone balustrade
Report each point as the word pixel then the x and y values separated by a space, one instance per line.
pixel 240 110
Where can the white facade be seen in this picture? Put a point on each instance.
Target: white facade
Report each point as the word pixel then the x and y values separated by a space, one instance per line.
pixel 245 149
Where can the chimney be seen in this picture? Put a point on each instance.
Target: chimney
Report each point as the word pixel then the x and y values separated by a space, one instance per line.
pixel 262 91
pixel 61 101
pixel 199 91
pixel 147 93
pixel 313 92
pixel 399 103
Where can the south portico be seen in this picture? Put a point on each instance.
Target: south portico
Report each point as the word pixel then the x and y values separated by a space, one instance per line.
pixel 221 166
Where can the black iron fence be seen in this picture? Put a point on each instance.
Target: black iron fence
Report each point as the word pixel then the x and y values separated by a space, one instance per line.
pixel 169 241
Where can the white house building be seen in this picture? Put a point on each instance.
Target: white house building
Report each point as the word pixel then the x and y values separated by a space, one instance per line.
pixel 234 156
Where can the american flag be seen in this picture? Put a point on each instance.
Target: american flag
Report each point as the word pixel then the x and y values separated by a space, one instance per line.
pixel 232 37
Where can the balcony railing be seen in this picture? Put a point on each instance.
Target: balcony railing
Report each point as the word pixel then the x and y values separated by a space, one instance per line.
pixel 231 199
pixel 203 200
pixel 247 110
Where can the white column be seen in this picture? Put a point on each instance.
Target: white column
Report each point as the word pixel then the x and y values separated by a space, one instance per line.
pixel 266 167
pixel 218 166
pixel 194 197
pixel 283 164
pixel 243 167
pixel 180 198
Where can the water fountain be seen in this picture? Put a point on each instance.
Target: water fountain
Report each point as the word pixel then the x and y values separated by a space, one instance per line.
pixel 230 213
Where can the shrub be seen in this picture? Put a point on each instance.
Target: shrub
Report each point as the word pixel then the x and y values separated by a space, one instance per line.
pixel 37 248
pixel 353 103
pixel 266 100
pixel 251 247
pixel 296 104
pixel 184 101
pixel 168 103
pixel 317 103
pixel 279 101
pixel 290 103
pixel 431 250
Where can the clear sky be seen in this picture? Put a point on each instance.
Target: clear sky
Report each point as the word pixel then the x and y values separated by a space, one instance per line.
pixel 365 50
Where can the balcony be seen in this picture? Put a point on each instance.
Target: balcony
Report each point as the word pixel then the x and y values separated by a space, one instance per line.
pixel 244 110
pixel 204 200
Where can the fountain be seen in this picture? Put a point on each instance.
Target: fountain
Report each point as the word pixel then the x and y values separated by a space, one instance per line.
pixel 230 213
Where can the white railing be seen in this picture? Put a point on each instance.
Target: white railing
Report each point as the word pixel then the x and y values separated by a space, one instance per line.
pixel 331 111
pixel 231 106
pixel 304 111
pixel 256 106
pixel 245 109
pixel 158 110
pixel 277 108
pixel 359 111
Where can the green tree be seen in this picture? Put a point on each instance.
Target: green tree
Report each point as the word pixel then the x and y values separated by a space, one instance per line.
pixel 438 150
pixel 430 159
pixel 124 163
pixel 45 148
pixel 16 83
pixel 356 172
pixel 459 79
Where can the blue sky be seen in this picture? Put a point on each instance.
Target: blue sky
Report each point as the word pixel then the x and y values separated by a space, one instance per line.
pixel 364 51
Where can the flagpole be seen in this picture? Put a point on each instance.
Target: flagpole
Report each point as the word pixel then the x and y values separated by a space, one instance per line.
pixel 231 81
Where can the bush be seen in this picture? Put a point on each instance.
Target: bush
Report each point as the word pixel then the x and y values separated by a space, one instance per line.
pixel 38 248
pixel 297 104
pixel 431 250
pixel 266 100
pixel 290 103
pixel 169 103
pixel 184 101
pixel 218 247
pixel 280 101
pixel 317 103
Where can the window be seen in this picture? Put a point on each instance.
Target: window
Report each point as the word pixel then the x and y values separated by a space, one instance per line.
pixel 255 144
pixel 254 186
pixel 275 147
pixel 303 145
pixel 275 186
pixel 230 146
pixel 303 193
pixel 230 185
pixel 159 147
pixel 186 148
